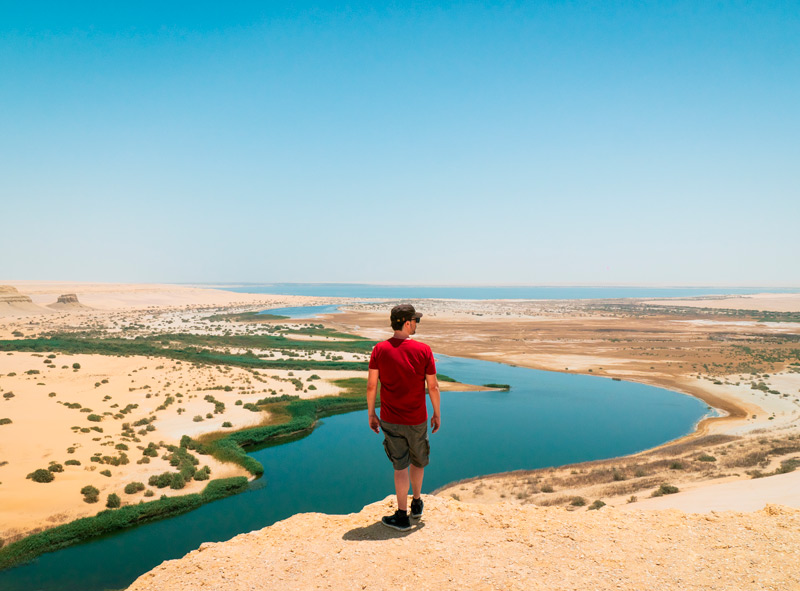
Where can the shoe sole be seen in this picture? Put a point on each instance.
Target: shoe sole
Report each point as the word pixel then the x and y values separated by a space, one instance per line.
pixel 397 527
pixel 416 515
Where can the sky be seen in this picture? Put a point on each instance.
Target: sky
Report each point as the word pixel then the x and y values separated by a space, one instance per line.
pixel 530 143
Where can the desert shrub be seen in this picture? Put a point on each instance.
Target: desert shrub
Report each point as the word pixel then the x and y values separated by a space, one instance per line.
pixel 41 475
pixel 121 446
pixel 203 473
pixel 577 502
pixel 789 465
pixel 94 418
pixel 197 418
pixel 90 494
pixel 676 466
pixel 665 489
pixel 160 480
pixel 596 505
pixel 106 472
pixel 178 482
pixel 751 459
pixel 55 467
pixel 227 424
pixel 76 366
pixel 72 463
pixel 133 487
pixel 149 493
pixel 5 421
pixel 113 501
pixel 706 458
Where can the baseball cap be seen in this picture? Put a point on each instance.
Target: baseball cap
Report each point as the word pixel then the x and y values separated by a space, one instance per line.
pixel 404 312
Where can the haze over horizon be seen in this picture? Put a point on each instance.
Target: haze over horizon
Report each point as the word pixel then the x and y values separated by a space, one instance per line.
pixel 416 144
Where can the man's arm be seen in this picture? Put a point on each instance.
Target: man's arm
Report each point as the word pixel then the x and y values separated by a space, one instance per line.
pixel 433 392
pixel 372 393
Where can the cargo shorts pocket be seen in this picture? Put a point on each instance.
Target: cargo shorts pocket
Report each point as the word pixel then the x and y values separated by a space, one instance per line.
pixel 396 449
pixel 420 452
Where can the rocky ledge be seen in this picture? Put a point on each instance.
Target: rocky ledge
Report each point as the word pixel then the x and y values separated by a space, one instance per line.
pixel 10 295
pixel 466 546
pixel 68 298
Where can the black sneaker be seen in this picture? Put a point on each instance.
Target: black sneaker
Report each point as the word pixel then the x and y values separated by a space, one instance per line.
pixel 416 508
pixel 398 521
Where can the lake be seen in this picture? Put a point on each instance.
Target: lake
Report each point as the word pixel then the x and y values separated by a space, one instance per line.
pixel 492 292
pixel 546 419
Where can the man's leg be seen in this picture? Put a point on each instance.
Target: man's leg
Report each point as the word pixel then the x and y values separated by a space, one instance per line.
pixel 416 480
pixel 401 488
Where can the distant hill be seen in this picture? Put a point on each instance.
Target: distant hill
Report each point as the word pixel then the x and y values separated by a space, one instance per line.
pixel 13 303
pixel 68 301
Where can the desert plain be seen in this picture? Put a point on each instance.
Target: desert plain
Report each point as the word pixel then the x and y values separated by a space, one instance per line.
pixel 741 355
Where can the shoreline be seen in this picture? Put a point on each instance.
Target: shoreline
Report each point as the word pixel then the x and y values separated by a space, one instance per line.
pixel 579 339
pixel 152 300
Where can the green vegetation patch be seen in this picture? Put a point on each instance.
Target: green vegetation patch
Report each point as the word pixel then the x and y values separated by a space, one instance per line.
pixel 199 349
pixel 300 417
pixel 114 519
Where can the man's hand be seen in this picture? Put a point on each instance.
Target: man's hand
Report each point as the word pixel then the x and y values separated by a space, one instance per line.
pixel 436 422
pixel 374 423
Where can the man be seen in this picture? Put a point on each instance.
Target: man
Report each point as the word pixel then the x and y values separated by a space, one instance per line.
pixel 404 367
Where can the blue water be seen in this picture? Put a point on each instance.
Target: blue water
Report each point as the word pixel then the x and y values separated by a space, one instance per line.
pixel 546 419
pixel 362 290
pixel 303 311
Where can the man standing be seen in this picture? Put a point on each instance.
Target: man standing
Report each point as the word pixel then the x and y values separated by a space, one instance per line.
pixel 404 367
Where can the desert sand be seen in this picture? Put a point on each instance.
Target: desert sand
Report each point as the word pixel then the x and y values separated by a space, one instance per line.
pixel 47 402
pixel 491 547
pixel 734 359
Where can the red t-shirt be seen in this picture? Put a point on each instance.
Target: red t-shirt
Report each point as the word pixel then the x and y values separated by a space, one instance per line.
pixel 402 365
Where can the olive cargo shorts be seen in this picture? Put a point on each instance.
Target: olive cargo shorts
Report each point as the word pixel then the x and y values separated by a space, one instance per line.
pixel 406 444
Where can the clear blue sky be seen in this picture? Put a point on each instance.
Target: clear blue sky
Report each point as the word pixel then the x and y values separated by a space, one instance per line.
pixel 422 143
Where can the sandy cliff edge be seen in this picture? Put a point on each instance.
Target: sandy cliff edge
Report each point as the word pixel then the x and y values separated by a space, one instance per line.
pixel 463 546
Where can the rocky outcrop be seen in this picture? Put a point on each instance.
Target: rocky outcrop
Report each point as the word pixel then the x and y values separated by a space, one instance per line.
pixel 13 303
pixel 466 546
pixel 68 298
pixel 68 301
pixel 10 295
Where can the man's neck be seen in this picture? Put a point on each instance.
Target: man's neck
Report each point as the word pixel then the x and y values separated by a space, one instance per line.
pixel 399 334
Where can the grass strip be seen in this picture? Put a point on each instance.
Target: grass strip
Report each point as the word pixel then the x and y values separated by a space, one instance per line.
pixel 302 416
pixel 144 347
pixel 115 519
